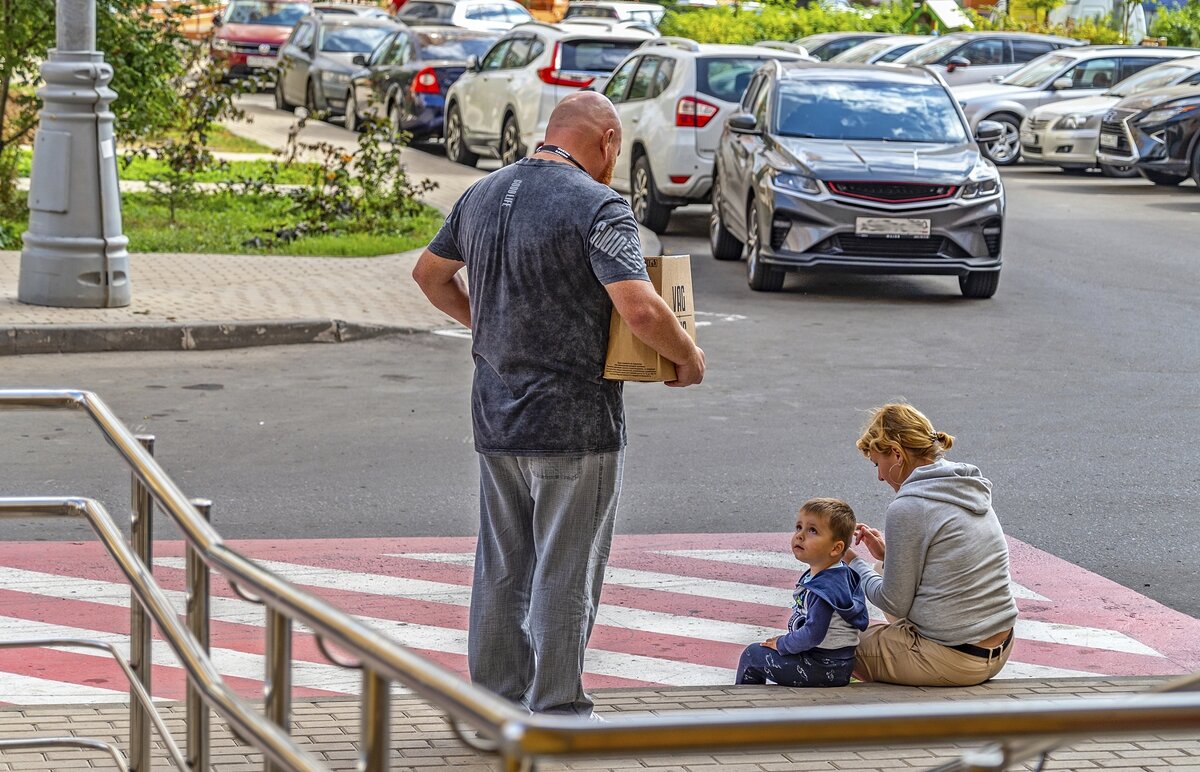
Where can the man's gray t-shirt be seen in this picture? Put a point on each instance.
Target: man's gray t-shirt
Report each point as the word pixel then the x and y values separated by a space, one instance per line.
pixel 540 239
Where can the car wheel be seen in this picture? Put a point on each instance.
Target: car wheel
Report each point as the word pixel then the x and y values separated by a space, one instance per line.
pixel 646 208
pixel 1160 178
pixel 456 141
pixel 1196 164
pixel 1005 151
pixel 724 245
pixel 510 142
pixel 281 102
pixel 352 122
pixel 979 284
pixel 1111 170
pixel 395 116
pixel 760 277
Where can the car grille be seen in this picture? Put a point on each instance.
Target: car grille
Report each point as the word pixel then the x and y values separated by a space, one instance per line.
pixel 892 192
pixel 882 246
pixel 1114 126
pixel 253 49
pixel 1038 124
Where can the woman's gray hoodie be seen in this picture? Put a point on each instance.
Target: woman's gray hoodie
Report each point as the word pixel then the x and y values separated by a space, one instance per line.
pixel 946 567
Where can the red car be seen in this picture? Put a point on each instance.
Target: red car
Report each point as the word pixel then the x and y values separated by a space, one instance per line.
pixel 248 33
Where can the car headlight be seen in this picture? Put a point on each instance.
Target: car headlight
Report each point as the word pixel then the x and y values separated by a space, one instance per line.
pixel 221 44
pixel 1076 121
pixel 983 181
pixel 335 78
pixel 1166 113
pixel 800 183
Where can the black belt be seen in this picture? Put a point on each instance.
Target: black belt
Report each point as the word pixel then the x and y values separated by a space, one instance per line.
pixel 982 653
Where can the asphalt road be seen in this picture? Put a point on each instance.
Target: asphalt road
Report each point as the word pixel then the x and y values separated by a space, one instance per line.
pixel 1074 389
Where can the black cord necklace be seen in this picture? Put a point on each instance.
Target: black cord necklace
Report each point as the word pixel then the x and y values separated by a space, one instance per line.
pixel 558 151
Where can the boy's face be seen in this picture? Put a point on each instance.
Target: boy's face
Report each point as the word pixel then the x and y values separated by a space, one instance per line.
pixel 813 542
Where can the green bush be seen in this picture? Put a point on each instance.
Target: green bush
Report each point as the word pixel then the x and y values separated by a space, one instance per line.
pixel 1180 26
pixel 727 24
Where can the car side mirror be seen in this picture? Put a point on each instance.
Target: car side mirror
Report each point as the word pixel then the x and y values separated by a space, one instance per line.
pixel 989 131
pixel 743 123
pixel 360 60
pixel 956 62
pixel 473 63
pixel 216 20
pixel 1062 84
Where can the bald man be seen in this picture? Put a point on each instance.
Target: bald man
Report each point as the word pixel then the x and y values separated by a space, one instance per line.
pixel 549 249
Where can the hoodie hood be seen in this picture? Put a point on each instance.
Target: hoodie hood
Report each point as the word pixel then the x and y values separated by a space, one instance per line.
pixel 839 587
pixel 959 484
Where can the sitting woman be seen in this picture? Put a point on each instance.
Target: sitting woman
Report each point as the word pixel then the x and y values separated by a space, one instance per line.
pixel 944 579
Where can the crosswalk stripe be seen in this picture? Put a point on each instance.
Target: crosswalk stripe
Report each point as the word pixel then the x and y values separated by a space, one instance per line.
pixel 29 690
pixel 442 592
pixel 1048 632
pixel 767 559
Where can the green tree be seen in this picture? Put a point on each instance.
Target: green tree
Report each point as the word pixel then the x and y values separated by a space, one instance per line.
pixel 142 44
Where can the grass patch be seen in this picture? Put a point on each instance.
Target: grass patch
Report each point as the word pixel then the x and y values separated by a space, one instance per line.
pixel 144 169
pixel 222 140
pixel 221 223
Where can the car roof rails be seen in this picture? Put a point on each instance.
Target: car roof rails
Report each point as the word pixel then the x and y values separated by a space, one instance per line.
pixel 684 43
pixel 782 46
pixel 537 23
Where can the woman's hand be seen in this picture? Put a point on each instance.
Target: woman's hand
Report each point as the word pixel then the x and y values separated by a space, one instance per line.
pixel 872 538
pixel 770 643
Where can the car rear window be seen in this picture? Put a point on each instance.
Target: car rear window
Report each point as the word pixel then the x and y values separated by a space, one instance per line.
pixel 726 77
pixel 595 55
pixel 441 45
pixel 415 9
pixel 601 13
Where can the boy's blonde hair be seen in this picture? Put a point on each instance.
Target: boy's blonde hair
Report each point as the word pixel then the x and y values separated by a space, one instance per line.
pixel 837 514
pixel 900 426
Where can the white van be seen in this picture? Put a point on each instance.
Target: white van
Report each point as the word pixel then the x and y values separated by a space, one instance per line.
pixel 1078 10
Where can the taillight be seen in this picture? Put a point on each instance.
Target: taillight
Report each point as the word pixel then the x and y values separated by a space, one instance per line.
pixel 426 82
pixel 690 111
pixel 556 77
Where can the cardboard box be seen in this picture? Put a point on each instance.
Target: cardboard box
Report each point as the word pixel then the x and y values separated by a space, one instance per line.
pixel 628 358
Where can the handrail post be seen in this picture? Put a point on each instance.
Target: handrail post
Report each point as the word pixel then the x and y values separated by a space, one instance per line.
pixel 376 722
pixel 141 537
pixel 198 718
pixel 279 675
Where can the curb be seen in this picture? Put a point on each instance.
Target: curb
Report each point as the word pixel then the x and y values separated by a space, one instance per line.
pixel 185 336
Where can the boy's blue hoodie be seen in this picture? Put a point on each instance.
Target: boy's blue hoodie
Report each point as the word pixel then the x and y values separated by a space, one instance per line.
pixel 829 612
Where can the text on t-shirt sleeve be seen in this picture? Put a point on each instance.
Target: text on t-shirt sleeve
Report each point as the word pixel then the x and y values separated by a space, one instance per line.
pixel 614 248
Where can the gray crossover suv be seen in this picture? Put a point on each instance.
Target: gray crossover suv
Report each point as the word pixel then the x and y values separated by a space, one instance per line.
pixel 860 168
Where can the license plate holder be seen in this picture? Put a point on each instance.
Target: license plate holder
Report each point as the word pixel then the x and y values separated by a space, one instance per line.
pixel 264 62
pixel 1110 140
pixel 892 227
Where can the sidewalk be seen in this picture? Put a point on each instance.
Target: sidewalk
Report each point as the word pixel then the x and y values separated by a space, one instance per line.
pixel 422 740
pixel 184 301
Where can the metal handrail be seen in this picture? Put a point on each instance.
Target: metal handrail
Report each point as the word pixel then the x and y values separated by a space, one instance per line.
pixel 519 736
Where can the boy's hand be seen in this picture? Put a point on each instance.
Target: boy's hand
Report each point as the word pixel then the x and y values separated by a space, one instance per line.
pixel 872 538
pixel 770 642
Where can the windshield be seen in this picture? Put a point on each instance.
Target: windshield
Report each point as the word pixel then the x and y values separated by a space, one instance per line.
pixel 352 40
pixel 440 45
pixel 859 110
pixel 862 53
pixel 931 53
pixel 1151 78
pixel 1036 72
pixel 265 12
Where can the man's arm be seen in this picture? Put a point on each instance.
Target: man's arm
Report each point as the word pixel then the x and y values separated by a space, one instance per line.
pixel 438 278
pixel 651 320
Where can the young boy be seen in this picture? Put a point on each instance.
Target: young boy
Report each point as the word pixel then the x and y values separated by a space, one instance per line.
pixel 828 610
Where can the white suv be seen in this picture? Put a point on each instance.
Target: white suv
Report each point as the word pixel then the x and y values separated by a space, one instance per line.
pixel 673 96
pixel 500 106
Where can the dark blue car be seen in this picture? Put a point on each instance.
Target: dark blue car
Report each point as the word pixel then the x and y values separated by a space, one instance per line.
pixel 407 75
